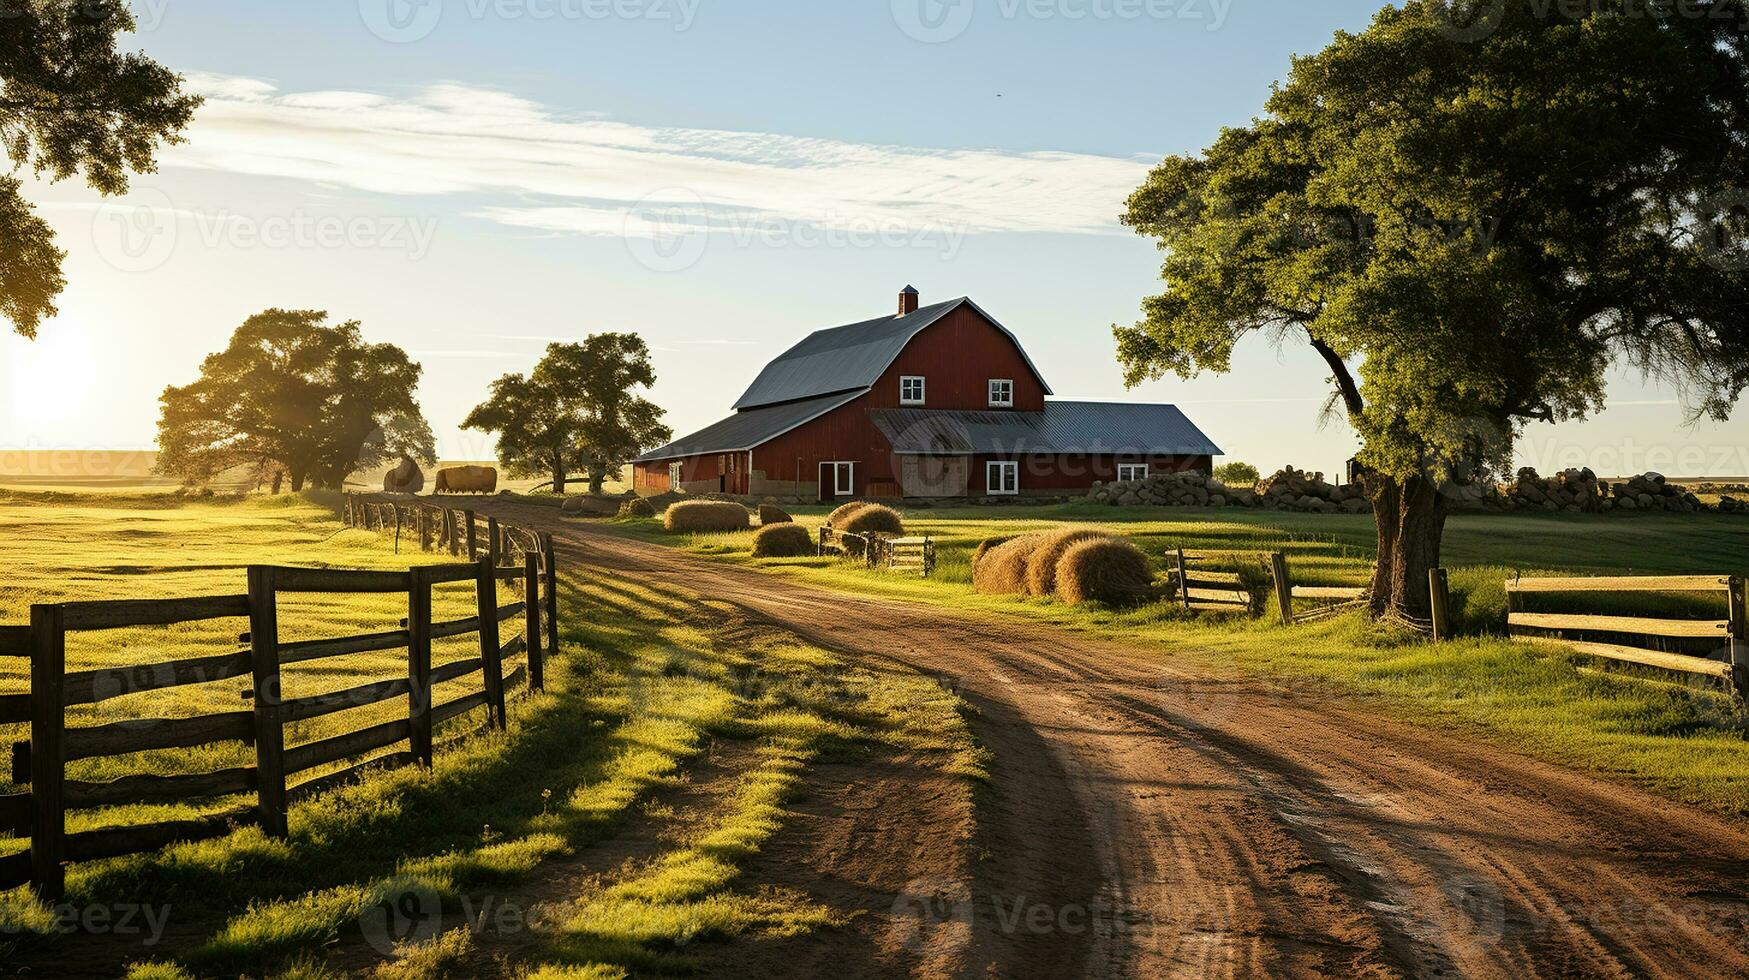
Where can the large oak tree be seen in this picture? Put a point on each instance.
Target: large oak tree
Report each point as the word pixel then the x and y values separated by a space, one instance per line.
pixel 70 103
pixel 577 410
pixel 1469 212
pixel 291 392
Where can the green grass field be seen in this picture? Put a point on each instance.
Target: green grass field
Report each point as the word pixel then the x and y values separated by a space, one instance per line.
pixel 646 685
pixel 1683 739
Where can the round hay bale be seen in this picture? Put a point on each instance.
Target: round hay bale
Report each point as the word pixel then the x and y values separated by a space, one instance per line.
pixel 1109 570
pixel 842 514
pixel 1041 564
pixel 783 540
pixel 706 515
pixel 769 514
pixel 1003 568
pixel 637 508
pixel 984 547
pixel 871 519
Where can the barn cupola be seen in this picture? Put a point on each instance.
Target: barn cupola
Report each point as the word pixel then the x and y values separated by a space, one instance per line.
pixel 907 300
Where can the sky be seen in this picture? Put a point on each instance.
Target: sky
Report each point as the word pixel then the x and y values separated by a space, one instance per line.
pixel 473 179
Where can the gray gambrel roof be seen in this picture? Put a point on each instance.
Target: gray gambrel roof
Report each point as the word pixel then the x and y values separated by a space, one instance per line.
pixel 746 430
pixel 1063 428
pixel 852 357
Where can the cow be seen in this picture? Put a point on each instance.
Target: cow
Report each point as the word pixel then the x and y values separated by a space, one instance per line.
pixel 467 479
pixel 405 478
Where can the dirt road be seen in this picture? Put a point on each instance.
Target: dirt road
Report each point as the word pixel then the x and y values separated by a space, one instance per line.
pixel 1148 819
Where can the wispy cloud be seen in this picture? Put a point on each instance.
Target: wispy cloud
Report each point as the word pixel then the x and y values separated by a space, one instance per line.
pixel 575 173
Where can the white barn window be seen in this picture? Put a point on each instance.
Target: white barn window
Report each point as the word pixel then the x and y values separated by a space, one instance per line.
pixel 911 390
pixel 1002 476
pixel 1001 393
pixel 1127 472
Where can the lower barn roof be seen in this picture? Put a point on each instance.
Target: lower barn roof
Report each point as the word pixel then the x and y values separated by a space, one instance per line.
pixel 745 430
pixel 1063 428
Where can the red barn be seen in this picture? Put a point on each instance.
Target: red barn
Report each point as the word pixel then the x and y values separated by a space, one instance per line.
pixel 935 402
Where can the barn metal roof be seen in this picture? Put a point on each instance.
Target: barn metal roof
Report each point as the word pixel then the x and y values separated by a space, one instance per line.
pixel 1081 428
pixel 745 430
pixel 852 357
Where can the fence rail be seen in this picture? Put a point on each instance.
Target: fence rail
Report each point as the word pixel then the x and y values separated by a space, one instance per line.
pixel 914 555
pixel 1727 661
pixel 513 554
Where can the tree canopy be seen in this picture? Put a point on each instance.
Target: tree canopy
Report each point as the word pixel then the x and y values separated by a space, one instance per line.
pixel 1470 220
pixel 577 410
pixel 70 102
pixel 290 391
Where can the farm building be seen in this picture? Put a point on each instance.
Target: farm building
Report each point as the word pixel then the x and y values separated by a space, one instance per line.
pixel 936 401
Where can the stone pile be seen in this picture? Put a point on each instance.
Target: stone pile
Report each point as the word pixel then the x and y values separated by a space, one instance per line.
pixel 1572 491
pixel 1187 489
pixel 1291 489
pixel 1649 491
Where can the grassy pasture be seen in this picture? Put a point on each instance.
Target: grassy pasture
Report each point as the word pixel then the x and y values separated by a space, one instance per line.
pixel 647 683
pixel 1683 739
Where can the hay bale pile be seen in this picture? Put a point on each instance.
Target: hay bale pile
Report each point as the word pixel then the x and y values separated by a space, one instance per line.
pixel 1074 564
pixel 706 515
pixel 782 539
pixel 842 514
pixel 1650 491
pixel 1187 489
pixel 1104 569
pixel 637 507
pixel 770 514
pixel 870 519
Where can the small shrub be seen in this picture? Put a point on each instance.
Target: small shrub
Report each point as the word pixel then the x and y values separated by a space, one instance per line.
pixel 637 508
pixel 1109 570
pixel 783 540
pixel 1041 564
pixel 773 515
pixel 1237 474
pixel 706 515
pixel 842 514
pixel 1003 568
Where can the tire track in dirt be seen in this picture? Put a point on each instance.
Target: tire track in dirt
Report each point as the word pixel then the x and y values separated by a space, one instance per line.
pixel 1219 826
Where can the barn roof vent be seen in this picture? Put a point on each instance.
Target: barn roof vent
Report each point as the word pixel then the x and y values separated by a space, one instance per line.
pixel 908 300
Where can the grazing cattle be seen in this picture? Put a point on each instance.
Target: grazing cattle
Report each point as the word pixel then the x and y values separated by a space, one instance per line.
pixel 405 478
pixel 467 479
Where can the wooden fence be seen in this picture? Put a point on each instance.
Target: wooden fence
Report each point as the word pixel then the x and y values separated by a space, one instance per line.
pixel 1197 586
pixel 1726 660
pixel 909 555
pixel 42 760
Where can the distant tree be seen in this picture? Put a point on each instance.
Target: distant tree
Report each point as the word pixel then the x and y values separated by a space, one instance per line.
pixel 70 102
pixel 292 394
pixel 576 411
pixel 1237 474
pixel 1469 228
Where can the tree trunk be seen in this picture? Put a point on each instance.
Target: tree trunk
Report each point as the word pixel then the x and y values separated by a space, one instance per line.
pixel 278 478
pixel 1410 516
pixel 297 480
pixel 560 477
pixel 597 476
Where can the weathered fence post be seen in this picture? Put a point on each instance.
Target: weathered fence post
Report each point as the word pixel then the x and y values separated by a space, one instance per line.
pixel 48 815
pixel 1183 580
pixel 473 536
pixel 449 531
pixel 1284 587
pixel 1439 601
pixel 397 527
pixel 1739 620
pixel 825 535
pixel 424 519
pixel 494 543
pixel 419 663
pixel 551 570
pixel 491 655
pixel 928 556
pixel 537 677
pixel 346 512
pixel 269 734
